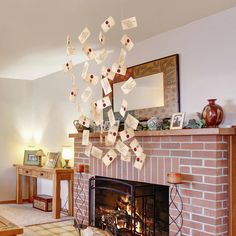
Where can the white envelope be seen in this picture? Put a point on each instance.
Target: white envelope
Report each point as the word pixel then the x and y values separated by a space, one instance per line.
pixel 107 73
pixel 73 94
pixel 127 42
pixel 111 117
pixel 86 94
pixel 85 137
pixel 96 152
pixel 131 122
pixel 123 107
pixel 106 86
pixel 109 157
pixel 70 50
pixel 103 103
pixel 85 121
pixel 92 79
pixel 119 69
pixel 122 56
pixel 127 157
pixel 136 147
pixel 108 24
pixel 128 86
pixel 126 134
pixel 87 149
pixel 112 134
pixel 68 66
pixel 102 38
pixel 122 148
pixel 107 142
pixel 88 52
pixel 101 56
pixel 85 70
pixel 96 114
pixel 84 35
pixel 139 161
pixel 129 23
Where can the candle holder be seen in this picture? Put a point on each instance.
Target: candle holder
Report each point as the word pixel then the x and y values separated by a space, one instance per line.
pixel 175 179
pixel 80 199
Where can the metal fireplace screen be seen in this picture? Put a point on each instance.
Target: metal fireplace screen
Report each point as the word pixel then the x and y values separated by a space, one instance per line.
pixel 128 207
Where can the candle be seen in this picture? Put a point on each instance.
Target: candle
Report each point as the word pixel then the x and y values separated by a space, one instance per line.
pixel 174 178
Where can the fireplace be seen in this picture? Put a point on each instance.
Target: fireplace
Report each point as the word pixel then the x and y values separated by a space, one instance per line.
pixel 128 207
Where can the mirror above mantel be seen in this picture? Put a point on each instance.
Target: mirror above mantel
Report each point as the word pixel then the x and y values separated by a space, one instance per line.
pixel 156 92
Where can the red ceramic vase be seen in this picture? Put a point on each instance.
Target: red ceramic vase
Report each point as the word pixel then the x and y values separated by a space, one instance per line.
pixel 212 114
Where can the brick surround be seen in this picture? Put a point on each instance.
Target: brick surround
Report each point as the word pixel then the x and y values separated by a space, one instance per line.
pixel 202 159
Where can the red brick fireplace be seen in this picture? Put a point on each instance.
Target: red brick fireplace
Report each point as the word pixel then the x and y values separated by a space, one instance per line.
pixel 201 155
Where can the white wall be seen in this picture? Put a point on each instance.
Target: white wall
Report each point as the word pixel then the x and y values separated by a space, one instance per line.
pixel 207 70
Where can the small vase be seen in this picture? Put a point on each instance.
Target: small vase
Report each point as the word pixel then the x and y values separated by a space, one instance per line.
pixel 212 114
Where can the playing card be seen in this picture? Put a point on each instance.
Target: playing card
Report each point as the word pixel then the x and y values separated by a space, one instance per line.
pixel 96 152
pixel 126 134
pixel 108 24
pixel 139 161
pixel 85 121
pixel 136 147
pixel 122 148
pixel 127 42
pixel 127 157
pixel 100 56
pixel 89 52
pixel 85 70
pixel 129 23
pixel 111 117
pixel 112 134
pixel 119 69
pixel 128 86
pixel 122 56
pixel 86 94
pixel 107 73
pixel 84 35
pixel 85 137
pixel 103 103
pixel 92 79
pixel 68 66
pixel 131 122
pixel 87 149
pixel 102 38
pixel 106 86
pixel 109 157
pixel 123 107
pixel 73 94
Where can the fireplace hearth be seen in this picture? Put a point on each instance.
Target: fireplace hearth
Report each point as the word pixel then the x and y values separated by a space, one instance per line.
pixel 128 208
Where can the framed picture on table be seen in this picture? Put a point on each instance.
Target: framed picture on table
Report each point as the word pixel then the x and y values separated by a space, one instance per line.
pixel 177 121
pixel 30 158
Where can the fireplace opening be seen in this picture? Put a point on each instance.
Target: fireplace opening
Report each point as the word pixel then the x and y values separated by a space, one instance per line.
pixel 128 208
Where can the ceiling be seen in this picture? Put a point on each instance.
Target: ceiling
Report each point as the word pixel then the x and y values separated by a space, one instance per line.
pixel 33 32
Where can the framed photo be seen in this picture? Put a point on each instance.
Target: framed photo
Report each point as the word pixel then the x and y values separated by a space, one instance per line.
pixel 30 158
pixel 52 159
pixel 177 121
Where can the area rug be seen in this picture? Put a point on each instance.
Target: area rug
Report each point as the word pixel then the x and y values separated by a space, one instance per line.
pixel 25 215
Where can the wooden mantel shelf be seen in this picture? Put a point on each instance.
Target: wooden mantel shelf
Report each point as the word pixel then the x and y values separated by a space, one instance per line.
pixel 182 132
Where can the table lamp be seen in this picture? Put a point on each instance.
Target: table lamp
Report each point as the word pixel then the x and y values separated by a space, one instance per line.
pixel 67 154
pixel 40 154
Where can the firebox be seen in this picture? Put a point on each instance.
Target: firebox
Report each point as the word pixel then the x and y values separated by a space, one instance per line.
pixel 125 207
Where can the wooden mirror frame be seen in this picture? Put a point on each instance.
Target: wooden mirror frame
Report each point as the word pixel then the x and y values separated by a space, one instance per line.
pixel 170 68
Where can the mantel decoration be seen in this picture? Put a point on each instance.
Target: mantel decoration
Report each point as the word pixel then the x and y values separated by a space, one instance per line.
pixel 127 141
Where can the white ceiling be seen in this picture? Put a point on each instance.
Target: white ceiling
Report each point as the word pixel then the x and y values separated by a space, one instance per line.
pixel 33 32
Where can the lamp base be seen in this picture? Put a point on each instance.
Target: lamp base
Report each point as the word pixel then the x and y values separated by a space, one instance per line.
pixel 66 166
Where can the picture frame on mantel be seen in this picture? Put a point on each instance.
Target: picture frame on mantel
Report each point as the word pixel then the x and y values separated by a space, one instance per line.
pixel 168 68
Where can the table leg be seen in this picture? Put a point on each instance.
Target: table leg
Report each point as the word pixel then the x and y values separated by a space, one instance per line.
pixel 56 209
pixel 28 186
pixel 70 196
pixel 18 187
pixel 33 188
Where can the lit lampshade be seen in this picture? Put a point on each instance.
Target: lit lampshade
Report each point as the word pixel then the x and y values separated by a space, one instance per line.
pixel 67 154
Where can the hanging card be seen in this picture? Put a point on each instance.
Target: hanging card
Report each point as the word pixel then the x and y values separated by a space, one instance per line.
pixel 123 107
pixel 111 117
pixel 68 66
pixel 86 94
pixel 108 24
pixel 92 79
pixel 106 86
pixel 136 147
pixel 103 103
pixel 109 157
pixel 85 121
pixel 107 73
pixel 89 52
pixel 128 86
pixel 126 134
pixel 139 161
pixel 84 35
pixel 131 122
pixel 101 56
pixel 112 133
pixel 122 148
pixel 85 137
pixel 119 69
pixel 96 152
pixel 87 149
pixel 127 42
pixel 85 70
pixel 102 38
pixel 122 56
pixel 73 94
pixel 129 23
pixel 127 157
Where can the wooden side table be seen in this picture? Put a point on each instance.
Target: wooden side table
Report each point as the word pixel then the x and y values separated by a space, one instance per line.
pixel 56 175
pixel 9 229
